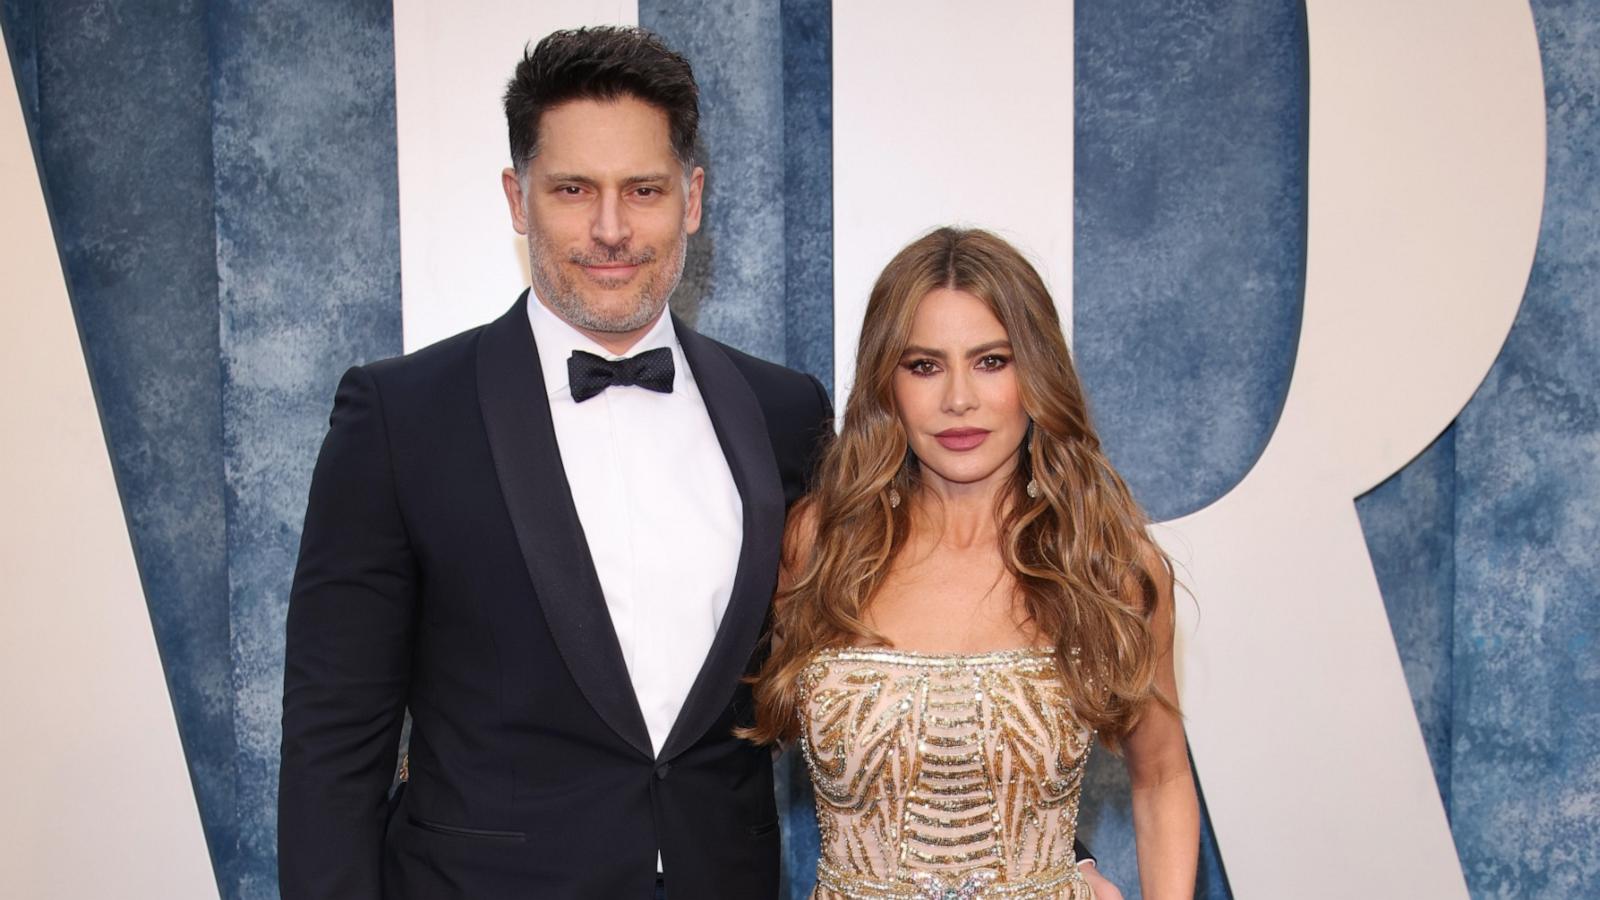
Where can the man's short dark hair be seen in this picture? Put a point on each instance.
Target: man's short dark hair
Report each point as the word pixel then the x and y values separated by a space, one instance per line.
pixel 601 63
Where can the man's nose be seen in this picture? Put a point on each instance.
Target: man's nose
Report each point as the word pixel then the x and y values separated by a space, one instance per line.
pixel 610 226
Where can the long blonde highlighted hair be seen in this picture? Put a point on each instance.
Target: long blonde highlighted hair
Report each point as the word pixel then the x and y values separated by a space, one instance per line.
pixel 1087 573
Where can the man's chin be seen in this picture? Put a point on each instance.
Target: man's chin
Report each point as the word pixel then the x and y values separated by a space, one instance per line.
pixel 617 285
pixel 619 319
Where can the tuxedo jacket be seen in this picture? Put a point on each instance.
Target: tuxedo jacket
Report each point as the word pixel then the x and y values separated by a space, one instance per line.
pixel 443 568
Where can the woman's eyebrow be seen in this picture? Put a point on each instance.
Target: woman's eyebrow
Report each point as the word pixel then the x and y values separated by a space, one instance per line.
pixel 991 346
pixel 988 348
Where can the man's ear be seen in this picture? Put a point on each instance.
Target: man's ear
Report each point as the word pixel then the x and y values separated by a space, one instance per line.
pixel 691 210
pixel 519 210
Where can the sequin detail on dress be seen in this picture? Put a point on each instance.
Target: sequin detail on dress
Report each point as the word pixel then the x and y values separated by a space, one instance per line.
pixel 943 777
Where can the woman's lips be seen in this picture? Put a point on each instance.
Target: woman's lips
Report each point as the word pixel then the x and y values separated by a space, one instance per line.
pixel 961 438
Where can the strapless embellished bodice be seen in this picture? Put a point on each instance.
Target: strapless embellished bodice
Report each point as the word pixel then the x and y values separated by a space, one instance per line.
pixel 943 776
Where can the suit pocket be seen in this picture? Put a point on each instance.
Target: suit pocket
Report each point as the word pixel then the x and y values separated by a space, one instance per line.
pixel 764 829
pixel 458 831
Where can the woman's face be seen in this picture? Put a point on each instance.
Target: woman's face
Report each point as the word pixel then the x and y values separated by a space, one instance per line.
pixel 956 391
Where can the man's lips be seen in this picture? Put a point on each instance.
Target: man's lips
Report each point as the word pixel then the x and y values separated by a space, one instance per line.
pixel 961 438
pixel 611 271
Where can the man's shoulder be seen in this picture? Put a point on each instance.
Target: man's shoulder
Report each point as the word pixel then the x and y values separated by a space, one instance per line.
pixel 797 411
pixel 795 405
pixel 455 355
pixel 767 378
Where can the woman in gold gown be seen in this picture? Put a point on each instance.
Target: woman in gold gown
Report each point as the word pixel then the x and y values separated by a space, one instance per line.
pixel 968 599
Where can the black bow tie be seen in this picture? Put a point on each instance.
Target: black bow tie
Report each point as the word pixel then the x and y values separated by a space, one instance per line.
pixel 588 374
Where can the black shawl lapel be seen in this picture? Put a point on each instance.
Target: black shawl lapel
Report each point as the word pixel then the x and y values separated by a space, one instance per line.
pixel 527 459
pixel 742 431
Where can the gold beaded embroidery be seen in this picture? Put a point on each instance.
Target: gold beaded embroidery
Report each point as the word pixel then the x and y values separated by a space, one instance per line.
pixel 974 884
pixel 956 772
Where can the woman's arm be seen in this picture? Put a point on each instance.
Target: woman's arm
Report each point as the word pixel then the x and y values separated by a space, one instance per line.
pixel 1166 813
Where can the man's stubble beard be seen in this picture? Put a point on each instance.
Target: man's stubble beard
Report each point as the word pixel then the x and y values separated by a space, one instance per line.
pixel 554 286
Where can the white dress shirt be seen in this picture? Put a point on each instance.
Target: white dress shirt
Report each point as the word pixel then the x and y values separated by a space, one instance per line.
pixel 660 511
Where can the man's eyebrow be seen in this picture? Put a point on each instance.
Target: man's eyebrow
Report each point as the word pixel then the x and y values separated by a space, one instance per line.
pixel 566 178
pixel 569 178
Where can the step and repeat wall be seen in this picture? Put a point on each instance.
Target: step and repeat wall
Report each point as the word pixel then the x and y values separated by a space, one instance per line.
pixel 1330 271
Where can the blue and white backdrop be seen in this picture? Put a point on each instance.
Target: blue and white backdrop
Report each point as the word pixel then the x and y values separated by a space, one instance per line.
pixel 1330 267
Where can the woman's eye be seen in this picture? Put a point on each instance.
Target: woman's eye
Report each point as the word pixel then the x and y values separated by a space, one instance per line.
pixel 994 362
pixel 921 367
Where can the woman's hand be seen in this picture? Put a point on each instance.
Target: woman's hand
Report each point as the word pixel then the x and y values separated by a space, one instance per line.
pixel 1103 888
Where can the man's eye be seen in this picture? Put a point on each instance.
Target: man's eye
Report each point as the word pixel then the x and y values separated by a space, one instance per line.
pixel 569 190
pixel 648 192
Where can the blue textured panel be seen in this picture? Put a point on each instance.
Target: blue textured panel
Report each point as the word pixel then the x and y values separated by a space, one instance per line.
pixel 1105 820
pixel 1189 264
pixel 1409 523
pixel 131 203
pixel 802 844
pixel 733 286
pixel 760 272
pixel 1211 881
pixel 1525 774
pixel 808 186
pixel 308 265
pixel 1189 234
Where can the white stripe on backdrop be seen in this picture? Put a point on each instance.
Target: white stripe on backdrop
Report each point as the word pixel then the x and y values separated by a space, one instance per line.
pixel 960 114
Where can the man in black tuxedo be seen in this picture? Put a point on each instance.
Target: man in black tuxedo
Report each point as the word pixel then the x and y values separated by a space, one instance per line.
pixel 554 538
pixel 560 564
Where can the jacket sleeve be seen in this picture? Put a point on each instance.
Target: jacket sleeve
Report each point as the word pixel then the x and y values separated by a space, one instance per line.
pixel 821 433
pixel 347 659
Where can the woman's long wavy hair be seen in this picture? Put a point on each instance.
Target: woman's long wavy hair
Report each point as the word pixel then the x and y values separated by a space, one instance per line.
pixel 1086 571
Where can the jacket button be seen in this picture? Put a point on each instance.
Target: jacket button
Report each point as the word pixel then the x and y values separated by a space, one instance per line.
pixel 662 770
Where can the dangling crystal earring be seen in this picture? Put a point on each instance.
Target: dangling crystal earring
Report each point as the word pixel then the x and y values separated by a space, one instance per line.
pixel 1033 488
pixel 894 498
